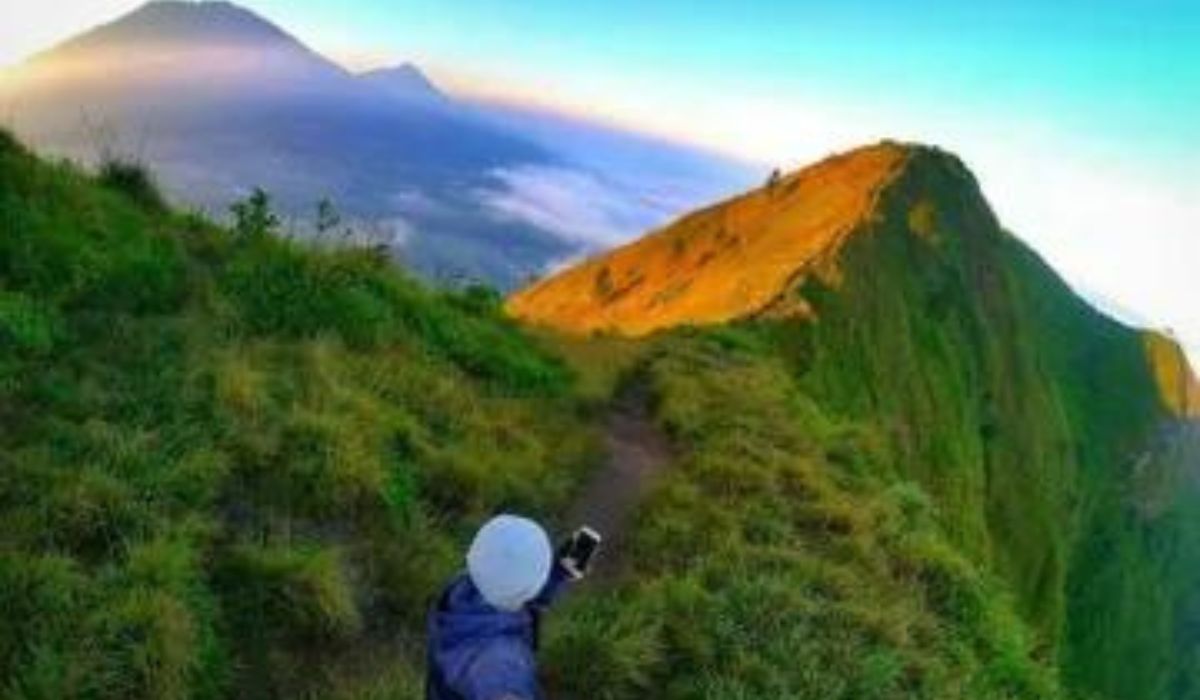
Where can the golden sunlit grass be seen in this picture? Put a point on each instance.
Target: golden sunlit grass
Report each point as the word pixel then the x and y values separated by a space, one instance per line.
pixel 1176 381
pixel 728 261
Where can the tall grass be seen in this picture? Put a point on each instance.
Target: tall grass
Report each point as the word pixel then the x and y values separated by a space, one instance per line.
pixel 783 558
pixel 231 465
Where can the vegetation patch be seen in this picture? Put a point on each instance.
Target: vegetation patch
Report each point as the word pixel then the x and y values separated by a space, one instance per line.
pixel 235 466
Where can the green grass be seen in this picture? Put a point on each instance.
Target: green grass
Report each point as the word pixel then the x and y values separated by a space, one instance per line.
pixel 951 374
pixel 232 465
pixel 1031 420
pixel 134 180
pixel 780 558
pixel 235 466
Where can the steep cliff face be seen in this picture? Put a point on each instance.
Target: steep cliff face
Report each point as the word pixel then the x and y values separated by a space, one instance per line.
pixel 1045 429
pixel 1058 444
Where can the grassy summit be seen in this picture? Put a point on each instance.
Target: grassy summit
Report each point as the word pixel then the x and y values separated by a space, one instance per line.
pixel 725 262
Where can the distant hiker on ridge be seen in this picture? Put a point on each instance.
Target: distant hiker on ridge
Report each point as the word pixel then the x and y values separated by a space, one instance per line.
pixel 483 630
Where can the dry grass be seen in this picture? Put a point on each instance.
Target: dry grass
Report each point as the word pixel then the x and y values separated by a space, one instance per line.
pixel 728 261
pixel 1177 382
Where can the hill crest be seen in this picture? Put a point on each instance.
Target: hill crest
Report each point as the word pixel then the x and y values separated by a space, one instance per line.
pixel 731 260
pixel 405 81
pixel 753 256
pixel 175 22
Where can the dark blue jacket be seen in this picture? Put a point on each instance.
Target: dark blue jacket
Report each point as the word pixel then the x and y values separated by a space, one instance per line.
pixel 477 652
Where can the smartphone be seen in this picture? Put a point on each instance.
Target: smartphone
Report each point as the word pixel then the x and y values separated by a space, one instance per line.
pixel 580 550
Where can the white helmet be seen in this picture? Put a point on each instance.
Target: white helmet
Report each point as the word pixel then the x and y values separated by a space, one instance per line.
pixel 509 561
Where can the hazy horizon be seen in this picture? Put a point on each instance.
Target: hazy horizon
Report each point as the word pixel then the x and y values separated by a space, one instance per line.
pixel 1080 120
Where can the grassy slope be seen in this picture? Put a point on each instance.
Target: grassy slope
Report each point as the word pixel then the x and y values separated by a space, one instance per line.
pixel 782 558
pixel 1024 413
pixel 229 465
pixel 232 466
pixel 1060 484
pixel 696 269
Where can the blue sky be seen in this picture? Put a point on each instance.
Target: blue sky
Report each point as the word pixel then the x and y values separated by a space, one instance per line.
pixel 1081 119
pixel 1115 65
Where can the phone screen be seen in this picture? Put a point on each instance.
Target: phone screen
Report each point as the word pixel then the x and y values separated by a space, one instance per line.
pixel 583 545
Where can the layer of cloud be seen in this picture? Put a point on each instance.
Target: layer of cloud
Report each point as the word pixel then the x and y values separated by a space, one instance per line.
pixel 579 206
pixel 609 184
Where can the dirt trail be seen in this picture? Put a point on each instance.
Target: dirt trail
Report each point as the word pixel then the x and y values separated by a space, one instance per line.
pixel 636 453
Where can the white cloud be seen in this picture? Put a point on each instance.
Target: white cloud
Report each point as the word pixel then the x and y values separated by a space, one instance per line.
pixel 418 203
pixel 579 206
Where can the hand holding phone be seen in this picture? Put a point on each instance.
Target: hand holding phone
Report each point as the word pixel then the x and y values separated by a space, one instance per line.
pixel 576 553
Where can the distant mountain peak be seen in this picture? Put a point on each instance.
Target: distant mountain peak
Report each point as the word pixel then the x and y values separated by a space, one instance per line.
pixel 164 23
pixel 174 40
pixel 405 80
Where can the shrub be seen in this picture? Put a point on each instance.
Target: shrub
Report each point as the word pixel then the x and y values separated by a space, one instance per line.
pixel 142 277
pixel 9 143
pixel 253 217
pixel 149 642
pixel 26 325
pixel 328 217
pixel 289 592
pixel 134 181
pixel 605 648
pixel 41 599
pixel 285 290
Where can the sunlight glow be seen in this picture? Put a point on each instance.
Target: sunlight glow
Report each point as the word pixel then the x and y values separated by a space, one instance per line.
pixel 1078 131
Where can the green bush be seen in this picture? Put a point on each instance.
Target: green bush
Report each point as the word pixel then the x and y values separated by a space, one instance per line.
pixel 280 288
pixel 220 449
pixel 134 181
pixel 9 143
pixel 253 218
pixel 298 593
pixel 25 325
pixel 604 648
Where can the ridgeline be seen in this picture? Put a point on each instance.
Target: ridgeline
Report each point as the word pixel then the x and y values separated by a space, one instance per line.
pixel 906 461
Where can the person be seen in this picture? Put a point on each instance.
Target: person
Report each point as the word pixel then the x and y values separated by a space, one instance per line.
pixel 483 629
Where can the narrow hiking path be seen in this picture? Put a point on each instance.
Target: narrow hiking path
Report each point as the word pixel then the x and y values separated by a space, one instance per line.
pixel 636 453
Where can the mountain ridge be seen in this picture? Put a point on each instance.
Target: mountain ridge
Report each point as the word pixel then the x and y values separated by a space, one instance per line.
pixel 782 235
pixel 178 21
pixel 405 80
pixel 792 227
pixel 456 188
pixel 215 116
pixel 1058 444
